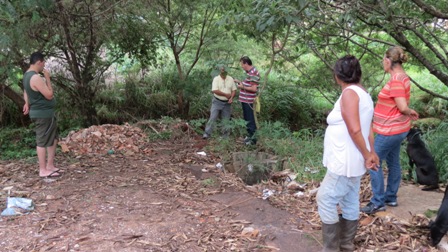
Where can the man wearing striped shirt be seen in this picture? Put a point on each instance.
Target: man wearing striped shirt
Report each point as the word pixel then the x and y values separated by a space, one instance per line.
pixel 248 91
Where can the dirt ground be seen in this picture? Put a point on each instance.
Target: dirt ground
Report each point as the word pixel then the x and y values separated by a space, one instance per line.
pixel 169 198
pixel 142 203
pixel 412 200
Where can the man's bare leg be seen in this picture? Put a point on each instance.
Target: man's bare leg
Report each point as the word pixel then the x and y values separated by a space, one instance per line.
pixel 41 155
pixel 51 154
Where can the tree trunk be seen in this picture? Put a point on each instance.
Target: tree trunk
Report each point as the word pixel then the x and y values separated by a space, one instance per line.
pixel 86 106
pixel 16 99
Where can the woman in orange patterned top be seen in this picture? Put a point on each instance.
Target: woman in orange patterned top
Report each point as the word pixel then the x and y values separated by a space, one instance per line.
pixel 391 123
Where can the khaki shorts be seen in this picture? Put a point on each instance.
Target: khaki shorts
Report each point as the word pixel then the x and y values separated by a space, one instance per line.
pixel 46 131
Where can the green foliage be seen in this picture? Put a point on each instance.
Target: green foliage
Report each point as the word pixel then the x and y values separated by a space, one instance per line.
pixel 300 151
pixel 291 104
pixel 209 182
pixel 9 113
pixel 425 104
pixel 197 125
pixel 165 60
pixel 164 135
pixel 436 140
pixel 135 39
pixel 17 143
pixel 430 213
pixel 69 116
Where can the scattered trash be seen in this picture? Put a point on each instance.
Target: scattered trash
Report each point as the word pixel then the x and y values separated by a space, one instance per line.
pixel 299 194
pixel 202 153
pixel 268 193
pixel 15 206
pixel 219 166
pixel 307 169
pixel 250 167
pixel 9 188
pixel 250 232
pixel 110 152
pixel 284 176
pixel 204 170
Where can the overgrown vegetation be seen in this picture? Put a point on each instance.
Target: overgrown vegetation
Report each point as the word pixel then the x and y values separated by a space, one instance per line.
pixel 292 121
pixel 163 59
pixel 17 143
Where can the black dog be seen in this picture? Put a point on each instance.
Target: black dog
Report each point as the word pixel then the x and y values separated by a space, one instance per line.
pixel 440 226
pixel 420 156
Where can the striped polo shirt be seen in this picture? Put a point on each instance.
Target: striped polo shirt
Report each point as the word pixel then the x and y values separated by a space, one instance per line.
pixel 252 79
pixel 387 119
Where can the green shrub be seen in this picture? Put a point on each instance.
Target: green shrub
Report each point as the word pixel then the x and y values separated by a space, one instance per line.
pixel 436 140
pixel 291 105
pixel 299 151
pixel 17 143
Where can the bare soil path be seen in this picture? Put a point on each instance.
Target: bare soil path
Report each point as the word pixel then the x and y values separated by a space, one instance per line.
pixel 142 203
pixel 412 200
pixel 164 196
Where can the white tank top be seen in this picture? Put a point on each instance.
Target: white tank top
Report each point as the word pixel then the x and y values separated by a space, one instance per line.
pixel 341 156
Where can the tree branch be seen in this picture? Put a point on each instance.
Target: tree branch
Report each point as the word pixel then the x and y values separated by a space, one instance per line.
pixel 430 9
pixel 429 91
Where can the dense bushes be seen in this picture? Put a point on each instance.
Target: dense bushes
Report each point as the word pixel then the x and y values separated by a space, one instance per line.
pixel 436 140
pixel 17 143
pixel 292 118
pixel 156 96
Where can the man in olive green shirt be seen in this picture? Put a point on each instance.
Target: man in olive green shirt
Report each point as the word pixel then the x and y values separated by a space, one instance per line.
pixel 40 104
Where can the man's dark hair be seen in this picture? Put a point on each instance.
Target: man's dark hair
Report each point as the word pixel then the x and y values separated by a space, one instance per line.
pixel 35 57
pixel 246 60
pixel 348 69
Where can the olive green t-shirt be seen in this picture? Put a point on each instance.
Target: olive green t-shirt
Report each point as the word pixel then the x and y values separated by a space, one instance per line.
pixel 40 107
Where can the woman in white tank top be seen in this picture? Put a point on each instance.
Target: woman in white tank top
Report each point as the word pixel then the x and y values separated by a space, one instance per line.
pixel 348 151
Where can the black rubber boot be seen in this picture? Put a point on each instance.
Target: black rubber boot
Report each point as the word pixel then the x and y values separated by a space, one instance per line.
pixel 330 235
pixel 348 233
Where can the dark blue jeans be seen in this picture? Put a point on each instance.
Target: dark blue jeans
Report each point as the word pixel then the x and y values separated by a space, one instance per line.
pixel 388 149
pixel 249 117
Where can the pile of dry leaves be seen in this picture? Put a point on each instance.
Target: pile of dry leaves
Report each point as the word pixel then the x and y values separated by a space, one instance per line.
pixel 107 138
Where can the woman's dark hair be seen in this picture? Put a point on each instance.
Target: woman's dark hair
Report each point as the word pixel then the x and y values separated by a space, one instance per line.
pixel 348 69
pixel 246 60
